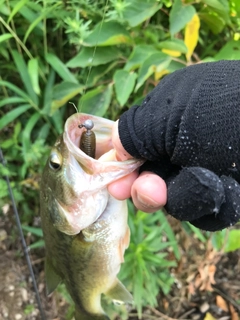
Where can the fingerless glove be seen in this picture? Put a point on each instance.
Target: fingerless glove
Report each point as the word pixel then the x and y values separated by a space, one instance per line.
pixel 188 131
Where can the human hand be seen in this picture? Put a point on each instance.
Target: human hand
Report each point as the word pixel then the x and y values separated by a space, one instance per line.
pixel 148 190
pixel 187 130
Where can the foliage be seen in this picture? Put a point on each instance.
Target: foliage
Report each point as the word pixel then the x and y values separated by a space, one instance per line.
pixel 104 56
pixel 147 255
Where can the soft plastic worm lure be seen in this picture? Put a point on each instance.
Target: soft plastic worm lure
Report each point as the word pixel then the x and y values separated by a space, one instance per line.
pixel 88 139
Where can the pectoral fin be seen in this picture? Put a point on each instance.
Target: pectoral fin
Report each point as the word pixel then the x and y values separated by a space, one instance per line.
pixel 123 245
pixel 119 293
pixel 52 279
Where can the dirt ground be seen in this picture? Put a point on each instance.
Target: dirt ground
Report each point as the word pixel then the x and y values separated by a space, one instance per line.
pixel 207 284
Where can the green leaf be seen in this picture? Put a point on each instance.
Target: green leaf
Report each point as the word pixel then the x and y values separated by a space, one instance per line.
pixel 96 101
pixel 139 54
pixel 48 92
pixel 5 37
pixel 26 134
pixel 18 5
pixel 124 83
pixel 11 100
pixel 214 22
pixel 156 62
pixel 32 16
pixel 60 68
pixel 180 15
pixel 16 90
pixel 64 92
pixel 38 19
pixel 36 231
pixel 173 44
pixel 12 115
pixel 33 73
pixel 233 241
pixel 37 244
pixel 94 57
pixel 197 232
pixel 230 51
pixel 108 34
pixel 98 72
pixel 137 11
pixel 22 69
pixel 220 6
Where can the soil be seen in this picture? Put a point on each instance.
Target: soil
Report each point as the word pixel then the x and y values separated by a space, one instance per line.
pixel 207 284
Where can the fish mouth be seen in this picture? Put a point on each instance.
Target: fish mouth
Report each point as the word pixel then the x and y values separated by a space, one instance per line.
pixel 90 176
pixel 104 169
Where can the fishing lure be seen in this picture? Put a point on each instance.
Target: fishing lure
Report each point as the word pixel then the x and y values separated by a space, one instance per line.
pixel 88 139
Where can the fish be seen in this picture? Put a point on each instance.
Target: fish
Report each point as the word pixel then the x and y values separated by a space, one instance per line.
pixel 85 229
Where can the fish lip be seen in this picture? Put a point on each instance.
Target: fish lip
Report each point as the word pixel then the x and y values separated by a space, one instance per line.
pixel 103 131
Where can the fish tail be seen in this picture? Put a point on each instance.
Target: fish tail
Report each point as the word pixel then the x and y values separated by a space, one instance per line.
pixel 79 315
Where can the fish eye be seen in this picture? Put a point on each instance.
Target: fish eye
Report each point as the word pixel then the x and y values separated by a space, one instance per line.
pixel 55 161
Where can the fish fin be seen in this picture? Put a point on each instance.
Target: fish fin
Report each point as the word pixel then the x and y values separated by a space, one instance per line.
pixel 82 316
pixel 119 294
pixel 52 279
pixel 123 244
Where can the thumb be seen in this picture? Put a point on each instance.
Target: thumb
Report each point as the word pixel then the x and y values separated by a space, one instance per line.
pixel 121 153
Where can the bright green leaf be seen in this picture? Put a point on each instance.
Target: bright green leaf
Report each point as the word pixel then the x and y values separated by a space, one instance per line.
pixel 107 34
pixel 18 5
pixel 214 22
pixel 124 83
pixel 94 57
pixel 5 37
pixel 138 11
pixel 233 241
pixel 139 54
pixel 33 73
pixel 60 68
pixel 157 61
pixel 22 69
pixel 180 15
pixel 96 101
pixel 220 6
pixel 64 92
pixel 230 51
pixel 12 115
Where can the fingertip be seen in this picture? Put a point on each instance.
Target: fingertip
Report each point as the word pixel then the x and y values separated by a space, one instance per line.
pixel 121 189
pixel 149 192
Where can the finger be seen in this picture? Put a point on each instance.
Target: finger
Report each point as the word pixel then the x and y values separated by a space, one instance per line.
pixel 149 192
pixel 121 189
pixel 121 153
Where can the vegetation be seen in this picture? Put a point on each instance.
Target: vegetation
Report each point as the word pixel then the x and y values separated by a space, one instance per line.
pixel 104 56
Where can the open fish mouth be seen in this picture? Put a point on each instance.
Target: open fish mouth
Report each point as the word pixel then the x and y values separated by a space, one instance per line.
pixel 89 176
pixel 104 169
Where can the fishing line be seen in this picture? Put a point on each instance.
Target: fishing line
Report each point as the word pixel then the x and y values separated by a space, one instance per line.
pixel 94 52
pixel 24 245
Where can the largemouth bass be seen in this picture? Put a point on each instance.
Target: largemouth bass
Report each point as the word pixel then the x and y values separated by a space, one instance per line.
pixel 85 229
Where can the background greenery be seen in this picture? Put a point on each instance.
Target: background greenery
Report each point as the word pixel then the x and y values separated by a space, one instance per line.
pixel 104 56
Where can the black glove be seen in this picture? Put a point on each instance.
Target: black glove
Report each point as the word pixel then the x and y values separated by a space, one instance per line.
pixel 188 129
